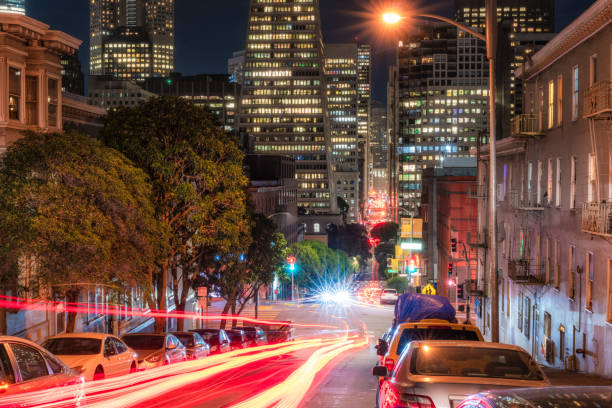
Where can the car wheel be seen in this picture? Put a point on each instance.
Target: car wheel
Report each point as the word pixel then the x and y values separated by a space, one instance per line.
pixel 133 368
pixel 99 374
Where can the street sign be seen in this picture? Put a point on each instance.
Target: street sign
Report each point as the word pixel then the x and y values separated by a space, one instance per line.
pixel 202 291
pixel 428 290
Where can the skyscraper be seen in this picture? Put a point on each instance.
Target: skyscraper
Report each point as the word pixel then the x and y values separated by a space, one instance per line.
pixel 378 149
pixel 131 39
pixel 341 81
pixel 283 107
pixel 364 70
pixel 442 90
pixel 12 6
pixel 529 25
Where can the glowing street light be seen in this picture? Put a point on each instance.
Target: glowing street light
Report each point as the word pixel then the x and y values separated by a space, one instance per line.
pixel 391 18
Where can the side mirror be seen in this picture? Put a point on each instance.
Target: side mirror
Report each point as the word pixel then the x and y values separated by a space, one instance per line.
pixel 380 371
pixel 381 347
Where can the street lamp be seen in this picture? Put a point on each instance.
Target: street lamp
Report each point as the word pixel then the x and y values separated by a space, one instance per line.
pixel 490 38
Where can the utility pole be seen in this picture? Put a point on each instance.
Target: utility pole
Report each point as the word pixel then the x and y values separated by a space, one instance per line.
pixel 491 27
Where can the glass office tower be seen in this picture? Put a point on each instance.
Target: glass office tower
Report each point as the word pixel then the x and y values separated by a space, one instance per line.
pixel 12 6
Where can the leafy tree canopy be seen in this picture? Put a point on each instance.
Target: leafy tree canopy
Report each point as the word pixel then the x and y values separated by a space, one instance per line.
pixel 317 265
pixel 82 212
pixel 352 239
pixel 385 232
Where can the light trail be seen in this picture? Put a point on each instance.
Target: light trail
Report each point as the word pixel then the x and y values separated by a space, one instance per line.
pixel 291 392
pixel 45 306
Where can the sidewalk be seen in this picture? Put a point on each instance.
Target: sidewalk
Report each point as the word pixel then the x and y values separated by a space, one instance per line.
pixel 562 377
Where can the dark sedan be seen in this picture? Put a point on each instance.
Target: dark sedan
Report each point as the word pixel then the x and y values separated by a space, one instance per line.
pixel 557 397
pixel 156 350
pixel 216 338
pixel 195 346
pixel 238 339
pixel 255 336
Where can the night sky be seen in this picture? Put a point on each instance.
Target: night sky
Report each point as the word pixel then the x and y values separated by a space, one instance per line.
pixel 208 31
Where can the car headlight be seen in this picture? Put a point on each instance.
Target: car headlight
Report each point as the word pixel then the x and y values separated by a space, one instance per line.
pixel 154 358
pixel 79 369
pixel 213 348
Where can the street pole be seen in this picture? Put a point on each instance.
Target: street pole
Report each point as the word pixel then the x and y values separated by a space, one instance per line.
pixel 292 286
pixel 491 26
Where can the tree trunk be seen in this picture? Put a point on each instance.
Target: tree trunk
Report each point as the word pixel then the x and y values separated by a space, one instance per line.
pixel 3 323
pixel 72 296
pixel 226 308
pixel 162 285
pixel 234 321
pixel 182 303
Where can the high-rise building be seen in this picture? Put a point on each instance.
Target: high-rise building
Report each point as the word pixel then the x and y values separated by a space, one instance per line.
pixel 378 149
pixel 283 106
pixel 364 71
pixel 12 6
pixel 442 104
pixel 341 81
pixel 215 92
pixel 73 80
pixel 235 67
pixel 529 25
pixel 131 39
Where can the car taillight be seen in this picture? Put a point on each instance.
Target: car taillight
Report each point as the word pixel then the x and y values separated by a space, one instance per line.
pixel 418 401
pixel 390 364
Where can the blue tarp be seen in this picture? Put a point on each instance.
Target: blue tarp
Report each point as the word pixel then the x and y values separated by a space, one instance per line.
pixel 413 307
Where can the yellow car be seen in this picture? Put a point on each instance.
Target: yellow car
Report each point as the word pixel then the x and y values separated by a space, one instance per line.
pixel 391 348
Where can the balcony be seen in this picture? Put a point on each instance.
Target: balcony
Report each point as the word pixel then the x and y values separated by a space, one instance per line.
pixel 477 239
pixel 471 288
pixel 478 191
pixel 523 204
pixel 598 101
pixel 597 219
pixel 525 272
pixel 522 126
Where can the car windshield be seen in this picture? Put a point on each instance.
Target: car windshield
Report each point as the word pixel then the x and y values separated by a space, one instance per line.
pixel 234 335
pixel 186 339
pixel 144 342
pixel 211 337
pixel 412 334
pixel 484 362
pixel 72 346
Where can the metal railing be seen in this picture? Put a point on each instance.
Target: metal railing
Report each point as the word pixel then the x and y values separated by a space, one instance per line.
pixel 478 191
pixel 525 125
pixel 518 203
pixel 597 218
pixel 524 272
pixel 598 99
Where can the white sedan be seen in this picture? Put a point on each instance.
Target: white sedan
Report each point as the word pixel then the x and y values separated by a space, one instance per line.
pixel 94 355
pixel 388 296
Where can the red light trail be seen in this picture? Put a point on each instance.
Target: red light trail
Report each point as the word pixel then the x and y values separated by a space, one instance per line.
pixel 43 305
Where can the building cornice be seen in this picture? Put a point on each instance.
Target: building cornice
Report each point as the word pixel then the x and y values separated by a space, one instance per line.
pixel 504 147
pixel 33 31
pixel 593 20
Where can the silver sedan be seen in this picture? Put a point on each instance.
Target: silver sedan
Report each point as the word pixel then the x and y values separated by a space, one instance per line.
pixel 441 374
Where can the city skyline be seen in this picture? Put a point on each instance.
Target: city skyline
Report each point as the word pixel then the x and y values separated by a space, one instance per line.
pixel 190 32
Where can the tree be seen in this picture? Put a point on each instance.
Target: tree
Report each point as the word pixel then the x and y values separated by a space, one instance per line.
pixel 343 207
pixel 385 232
pixel 74 213
pixel 198 186
pixel 318 266
pixel 352 239
pixel 398 283
pixel 382 252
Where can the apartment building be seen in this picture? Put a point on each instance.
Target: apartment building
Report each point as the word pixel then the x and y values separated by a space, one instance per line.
pixel 554 197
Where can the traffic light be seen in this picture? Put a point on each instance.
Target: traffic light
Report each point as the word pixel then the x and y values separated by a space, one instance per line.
pixel 413 264
pixel 291 262
pixel 460 291
pixel 454 244
pixel 450 269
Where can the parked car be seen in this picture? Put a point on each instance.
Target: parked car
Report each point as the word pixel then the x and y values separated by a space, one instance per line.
pixel 238 339
pixel 441 374
pixel 280 333
pixel 94 355
pixel 156 350
pixel 216 338
pixel 388 296
pixel 195 346
pixel 558 397
pixel 255 336
pixel 27 367
pixel 391 348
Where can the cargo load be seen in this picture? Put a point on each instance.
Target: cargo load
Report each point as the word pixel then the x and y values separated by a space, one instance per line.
pixel 414 307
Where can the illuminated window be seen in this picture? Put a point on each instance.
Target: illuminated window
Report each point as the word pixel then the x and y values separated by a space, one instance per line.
pixel 14 93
